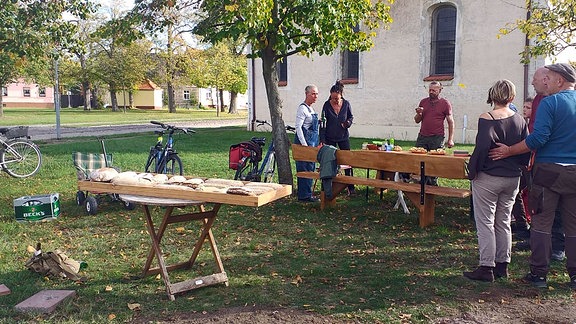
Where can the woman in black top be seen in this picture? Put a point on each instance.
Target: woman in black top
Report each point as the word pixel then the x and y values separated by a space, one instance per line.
pixel 495 182
pixel 336 119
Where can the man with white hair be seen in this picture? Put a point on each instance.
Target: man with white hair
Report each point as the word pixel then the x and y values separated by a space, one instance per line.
pixel 554 171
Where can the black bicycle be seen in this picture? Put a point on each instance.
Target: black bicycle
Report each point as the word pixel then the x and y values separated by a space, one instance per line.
pixel 19 157
pixel 245 158
pixel 163 158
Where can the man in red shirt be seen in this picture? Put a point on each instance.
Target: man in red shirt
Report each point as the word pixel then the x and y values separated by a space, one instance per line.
pixel 431 113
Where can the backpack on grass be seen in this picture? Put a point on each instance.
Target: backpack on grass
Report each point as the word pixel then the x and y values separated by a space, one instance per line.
pixel 54 264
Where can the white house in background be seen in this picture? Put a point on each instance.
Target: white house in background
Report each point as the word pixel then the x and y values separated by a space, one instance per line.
pixel 207 97
pixel 452 41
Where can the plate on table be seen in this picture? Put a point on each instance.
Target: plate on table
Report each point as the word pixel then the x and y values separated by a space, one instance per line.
pixel 418 150
pixel 437 152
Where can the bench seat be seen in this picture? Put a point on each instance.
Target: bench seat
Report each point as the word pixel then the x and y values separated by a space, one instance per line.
pixel 389 184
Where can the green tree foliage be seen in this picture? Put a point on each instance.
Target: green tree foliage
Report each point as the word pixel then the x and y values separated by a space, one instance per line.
pixel 218 67
pixel 276 29
pixel 115 66
pixel 170 20
pixel 31 28
pixel 549 25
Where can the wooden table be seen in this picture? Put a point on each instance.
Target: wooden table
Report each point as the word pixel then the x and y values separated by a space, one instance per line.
pixel 171 199
pixel 206 217
pixel 420 194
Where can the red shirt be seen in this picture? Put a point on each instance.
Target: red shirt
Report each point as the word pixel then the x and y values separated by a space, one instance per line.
pixel 535 104
pixel 433 116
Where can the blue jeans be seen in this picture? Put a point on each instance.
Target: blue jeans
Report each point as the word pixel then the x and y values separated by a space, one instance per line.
pixel 305 184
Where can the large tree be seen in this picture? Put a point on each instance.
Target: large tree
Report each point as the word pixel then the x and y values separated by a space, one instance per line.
pixel 31 28
pixel 277 29
pixel 550 25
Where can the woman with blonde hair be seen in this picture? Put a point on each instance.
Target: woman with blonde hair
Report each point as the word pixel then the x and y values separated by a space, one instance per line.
pixel 495 182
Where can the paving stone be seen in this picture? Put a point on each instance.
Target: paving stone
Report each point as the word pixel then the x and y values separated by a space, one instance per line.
pixel 45 301
pixel 4 290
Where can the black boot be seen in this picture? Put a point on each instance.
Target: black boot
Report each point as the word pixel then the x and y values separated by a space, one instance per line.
pixel 501 270
pixel 482 273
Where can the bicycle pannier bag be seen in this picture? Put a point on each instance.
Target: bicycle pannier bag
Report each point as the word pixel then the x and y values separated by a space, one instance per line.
pixel 244 149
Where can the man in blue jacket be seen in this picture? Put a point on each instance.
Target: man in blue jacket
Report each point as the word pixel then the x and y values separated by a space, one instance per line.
pixel 554 172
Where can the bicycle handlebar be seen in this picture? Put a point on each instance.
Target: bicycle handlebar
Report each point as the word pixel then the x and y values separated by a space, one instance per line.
pixel 265 122
pixel 172 127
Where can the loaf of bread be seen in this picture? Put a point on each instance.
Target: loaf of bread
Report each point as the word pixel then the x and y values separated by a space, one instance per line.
pixel 103 174
pixel 227 182
pixel 160 178
pixel 176 179
pixel 264 184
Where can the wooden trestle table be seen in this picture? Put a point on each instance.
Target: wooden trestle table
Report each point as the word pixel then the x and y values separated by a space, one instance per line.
pixel 171 199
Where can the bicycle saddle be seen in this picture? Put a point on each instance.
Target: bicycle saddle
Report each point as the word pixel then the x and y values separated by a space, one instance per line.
pixel 259 140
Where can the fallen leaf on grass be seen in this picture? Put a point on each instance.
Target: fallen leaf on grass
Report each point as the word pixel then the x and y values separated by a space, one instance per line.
pixel 406 316
pixel 111 316
pixel 108 288
pixel 296 281
pixel 134 306
pixel 180 229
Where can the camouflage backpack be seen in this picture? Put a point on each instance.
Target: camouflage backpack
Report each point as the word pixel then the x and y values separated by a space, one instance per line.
pixel 54 264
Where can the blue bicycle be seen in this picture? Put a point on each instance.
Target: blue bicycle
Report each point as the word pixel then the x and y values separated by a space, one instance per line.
pixel 163 158
pixel 245 158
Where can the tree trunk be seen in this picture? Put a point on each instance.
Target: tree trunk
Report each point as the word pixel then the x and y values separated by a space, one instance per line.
pixel 217 101
pixel 94 98
pixel 281 142
pixel 85 83
pixel 86 95
pixel 233 109
pixel 113 99
pixel 171 102
pixel 131 99
pixel 221 92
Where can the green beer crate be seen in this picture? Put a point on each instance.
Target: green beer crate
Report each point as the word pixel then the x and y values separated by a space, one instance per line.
pixel 37 208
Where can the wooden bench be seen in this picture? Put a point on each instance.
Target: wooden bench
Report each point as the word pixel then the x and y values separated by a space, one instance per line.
pixel 421 195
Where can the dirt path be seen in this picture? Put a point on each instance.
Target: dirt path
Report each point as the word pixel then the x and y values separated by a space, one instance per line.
pixel 49 132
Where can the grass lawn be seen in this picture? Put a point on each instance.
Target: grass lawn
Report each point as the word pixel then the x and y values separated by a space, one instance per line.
pixel 79 117
pixel 361 261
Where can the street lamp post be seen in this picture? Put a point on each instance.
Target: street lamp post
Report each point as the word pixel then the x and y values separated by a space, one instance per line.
pixel 57 97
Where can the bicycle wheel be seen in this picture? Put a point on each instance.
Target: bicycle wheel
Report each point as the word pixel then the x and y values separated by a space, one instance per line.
pixel 246 171
pixel 151 163
pixel 171 165
pixel 270 168
pixel 21 158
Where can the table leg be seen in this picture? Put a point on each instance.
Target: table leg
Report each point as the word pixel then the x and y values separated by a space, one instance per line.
pixel 158 234
pixel 156 247
pixel 400 200
pixel 207 218
pixel 207 233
